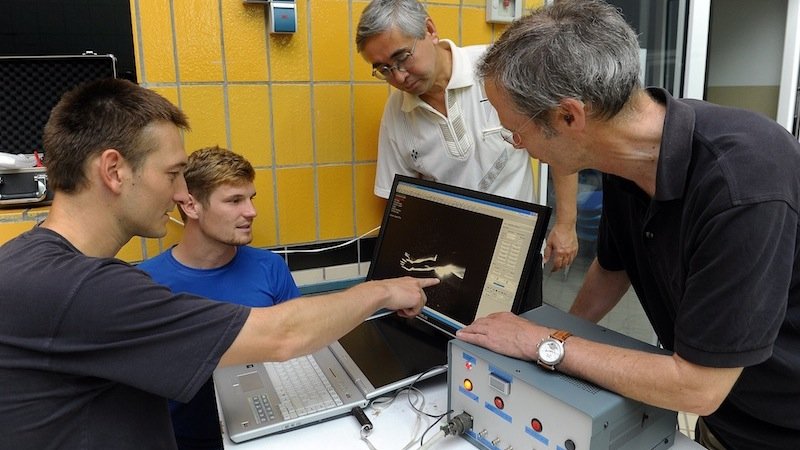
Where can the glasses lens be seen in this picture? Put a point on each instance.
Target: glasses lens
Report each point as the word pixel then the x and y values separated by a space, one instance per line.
pixel 381 73
pixel 385 71
pixel 401 62
pixel 507 136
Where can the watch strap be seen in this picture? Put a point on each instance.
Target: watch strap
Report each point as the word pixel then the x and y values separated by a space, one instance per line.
pixel 560 335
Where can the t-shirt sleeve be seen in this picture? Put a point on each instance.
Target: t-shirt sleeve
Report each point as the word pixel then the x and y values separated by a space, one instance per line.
pixel 120 325
pixel 735 297
pixel 281 280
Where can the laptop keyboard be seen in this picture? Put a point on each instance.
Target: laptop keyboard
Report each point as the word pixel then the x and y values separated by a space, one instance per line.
pixel 302 387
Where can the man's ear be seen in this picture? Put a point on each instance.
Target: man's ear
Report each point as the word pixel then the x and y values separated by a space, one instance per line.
pixel 113 168
pixel 431 29
pixel 190 207
pixel 571 114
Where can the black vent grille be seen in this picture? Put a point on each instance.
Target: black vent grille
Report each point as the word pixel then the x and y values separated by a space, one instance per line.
pixel 31 86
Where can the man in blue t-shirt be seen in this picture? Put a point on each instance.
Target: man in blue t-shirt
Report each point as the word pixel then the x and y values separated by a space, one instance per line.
pixel 213 260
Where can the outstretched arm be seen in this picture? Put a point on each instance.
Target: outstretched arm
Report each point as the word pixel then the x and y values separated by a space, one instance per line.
pixel 306 324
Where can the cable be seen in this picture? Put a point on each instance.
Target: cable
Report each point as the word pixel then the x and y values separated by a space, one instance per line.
pixel 310 250
pixel 384 401
pixel 363 420
pixel 324 249
pixel 381 403
pixel 422 438
pixel 419 410
pixel 458 425
pixel 422 405
pixel 413 395
pixel 435 438
pixel 366 425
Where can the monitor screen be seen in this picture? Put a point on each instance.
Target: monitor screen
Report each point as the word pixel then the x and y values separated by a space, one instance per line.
pixel 480 246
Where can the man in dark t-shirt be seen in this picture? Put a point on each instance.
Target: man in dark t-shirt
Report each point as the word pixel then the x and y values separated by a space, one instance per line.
pixel 91 347
pixel 700 216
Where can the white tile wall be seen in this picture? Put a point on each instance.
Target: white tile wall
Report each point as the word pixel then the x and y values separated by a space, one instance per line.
pixel 332 273
pixel 308 276
pixel 342 272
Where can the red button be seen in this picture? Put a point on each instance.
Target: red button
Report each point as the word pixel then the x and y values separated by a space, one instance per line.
pixel 536 425
pixel 499 403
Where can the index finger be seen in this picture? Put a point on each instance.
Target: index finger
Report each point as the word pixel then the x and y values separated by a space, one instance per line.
pixel 427 282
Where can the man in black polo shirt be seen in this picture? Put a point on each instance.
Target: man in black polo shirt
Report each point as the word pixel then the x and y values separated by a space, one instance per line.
pixel 700 216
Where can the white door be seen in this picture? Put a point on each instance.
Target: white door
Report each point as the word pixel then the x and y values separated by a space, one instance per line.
pixel 745 54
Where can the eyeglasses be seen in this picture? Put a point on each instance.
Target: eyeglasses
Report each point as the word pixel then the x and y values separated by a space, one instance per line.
pixel 384 71
pixel 513 137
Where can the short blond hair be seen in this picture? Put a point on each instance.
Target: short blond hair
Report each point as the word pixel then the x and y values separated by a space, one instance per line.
pixel 211 167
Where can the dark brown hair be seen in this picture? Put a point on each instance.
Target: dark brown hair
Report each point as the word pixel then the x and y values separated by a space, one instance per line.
pixel 97 116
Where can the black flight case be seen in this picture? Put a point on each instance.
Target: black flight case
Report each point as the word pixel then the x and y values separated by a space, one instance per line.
pixel 29 88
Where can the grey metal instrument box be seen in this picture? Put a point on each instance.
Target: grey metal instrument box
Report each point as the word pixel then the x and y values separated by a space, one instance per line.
pixel 517 404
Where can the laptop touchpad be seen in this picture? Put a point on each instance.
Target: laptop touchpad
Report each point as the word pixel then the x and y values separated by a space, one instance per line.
pixel 250 381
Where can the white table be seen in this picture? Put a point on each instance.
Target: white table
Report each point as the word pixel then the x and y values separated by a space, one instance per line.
pixel 393 429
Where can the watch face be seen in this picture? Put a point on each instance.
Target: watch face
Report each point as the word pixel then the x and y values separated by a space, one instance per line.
pixel 551 351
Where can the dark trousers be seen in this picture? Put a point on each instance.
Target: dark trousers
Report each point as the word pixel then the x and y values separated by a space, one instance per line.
pixel 704 436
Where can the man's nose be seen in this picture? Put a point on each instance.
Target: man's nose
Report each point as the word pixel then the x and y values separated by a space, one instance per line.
pixel 181 194
pixel 250 209
pixel 399 75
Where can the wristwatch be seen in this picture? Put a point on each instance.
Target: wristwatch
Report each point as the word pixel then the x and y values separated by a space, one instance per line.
pixel 551 349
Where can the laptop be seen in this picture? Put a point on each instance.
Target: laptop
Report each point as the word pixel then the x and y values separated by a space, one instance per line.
pixel 482 247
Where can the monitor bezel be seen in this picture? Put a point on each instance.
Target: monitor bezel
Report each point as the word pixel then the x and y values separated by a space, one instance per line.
pixel 520 303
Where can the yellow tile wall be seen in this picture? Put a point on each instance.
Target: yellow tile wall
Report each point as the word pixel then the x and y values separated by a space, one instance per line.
pixel 303 107
pixel 16 221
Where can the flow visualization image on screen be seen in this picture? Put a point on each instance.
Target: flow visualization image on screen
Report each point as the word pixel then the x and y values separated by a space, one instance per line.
pixel 479 246
pixel 429 264
pixel 449 243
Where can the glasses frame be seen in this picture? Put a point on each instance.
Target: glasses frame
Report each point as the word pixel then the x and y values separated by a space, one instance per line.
pixel 513 137
pixel 384 71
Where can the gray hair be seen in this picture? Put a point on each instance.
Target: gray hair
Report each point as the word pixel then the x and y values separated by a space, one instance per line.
pixel 580 49
pixel 408 16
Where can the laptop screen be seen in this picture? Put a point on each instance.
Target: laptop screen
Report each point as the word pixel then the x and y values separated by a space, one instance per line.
pixel 480 246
